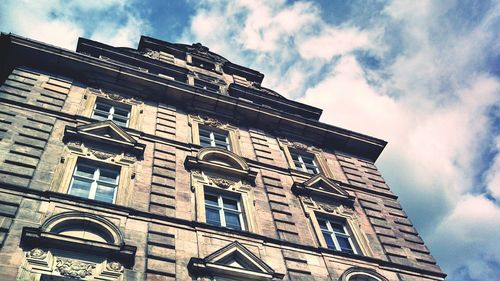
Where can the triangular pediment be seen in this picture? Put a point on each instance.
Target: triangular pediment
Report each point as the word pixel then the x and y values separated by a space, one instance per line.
pixel 237 261
pixel 323 184
pixel 237 255
pixel 106 132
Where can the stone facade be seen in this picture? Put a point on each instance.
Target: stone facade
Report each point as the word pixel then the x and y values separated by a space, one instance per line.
pixel 155 226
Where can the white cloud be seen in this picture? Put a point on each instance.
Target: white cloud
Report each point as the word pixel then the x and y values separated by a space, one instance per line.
pixel 61 22
pixel 430 97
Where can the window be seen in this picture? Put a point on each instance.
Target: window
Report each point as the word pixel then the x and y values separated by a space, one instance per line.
pixel 104 110
pixel 304 162
pixel 214 138
pixel 94 180
pixel 337 235
pixel 223 210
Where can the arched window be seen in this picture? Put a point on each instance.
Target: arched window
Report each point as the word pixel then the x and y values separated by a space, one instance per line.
pixel 75 246
pixel 361 274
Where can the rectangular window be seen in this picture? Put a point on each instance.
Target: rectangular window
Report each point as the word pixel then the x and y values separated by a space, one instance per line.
pixel 223 210
pixel 211 138
pixel 337 235
pixel 304 162
pixel 95 181
pixel 104 110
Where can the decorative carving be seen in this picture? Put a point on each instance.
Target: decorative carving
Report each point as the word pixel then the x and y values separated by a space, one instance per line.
pixel 223 183
pixel 196 173
pixel 74 268
pixel 37 253
pixel 113 96
pixel 129 157
pixel 151 54
pixel 114 266
pixel 327 207
pixel 203 51
pixel 212 122
pixel 102 154
pixel 74 143
pixel 299 145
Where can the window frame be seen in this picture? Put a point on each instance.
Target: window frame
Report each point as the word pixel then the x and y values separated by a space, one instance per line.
pixel 303 165
pixel 95 178
pixel 334 234
pixel 196 122
pixel 111 112
pixel 212 132
pixel 222 210
pixel 202 183
pixel 318 158
pixel 91 96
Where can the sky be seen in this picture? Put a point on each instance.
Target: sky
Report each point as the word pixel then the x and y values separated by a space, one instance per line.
pixel 422 75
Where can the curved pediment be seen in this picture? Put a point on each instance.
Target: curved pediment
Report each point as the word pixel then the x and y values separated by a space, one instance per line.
pixel 85 226
pixel 222 157
pixel 220 161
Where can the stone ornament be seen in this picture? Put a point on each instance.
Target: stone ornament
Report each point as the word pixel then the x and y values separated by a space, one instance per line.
pixel 203 51
pixel 113 96
pixel 223 183
pixel 151 54
pixel 74 268
pixel 299 145
pixel 114 266
pixel 102 154
pixel 37 253
pixel 212 122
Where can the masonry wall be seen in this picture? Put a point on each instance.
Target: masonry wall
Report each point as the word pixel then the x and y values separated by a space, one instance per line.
pixel 35 107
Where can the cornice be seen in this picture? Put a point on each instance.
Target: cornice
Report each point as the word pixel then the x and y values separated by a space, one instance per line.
pixel 17 50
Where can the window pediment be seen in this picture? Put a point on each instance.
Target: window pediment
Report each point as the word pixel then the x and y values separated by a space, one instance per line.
pixel 322 186
pixel 105 132
pixel 78 231
pixel 221 161
pixel 234 260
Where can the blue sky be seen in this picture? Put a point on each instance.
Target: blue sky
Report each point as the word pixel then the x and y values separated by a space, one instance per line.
pixel 423 75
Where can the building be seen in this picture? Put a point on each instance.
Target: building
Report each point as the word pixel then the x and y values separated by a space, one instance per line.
pixel 169 162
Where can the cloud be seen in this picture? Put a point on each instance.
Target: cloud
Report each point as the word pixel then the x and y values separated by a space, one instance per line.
pixel 61 22
pixel 418 76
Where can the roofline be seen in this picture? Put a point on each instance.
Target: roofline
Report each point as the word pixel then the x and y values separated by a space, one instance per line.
pixel 60 60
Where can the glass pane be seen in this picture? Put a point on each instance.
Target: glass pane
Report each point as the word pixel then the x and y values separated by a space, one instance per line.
pixel 230 203
pixel 295 156
pixel 123 112
pixel 205 143
pixel 220 137
pixel 105 193
pixel 80 187
pixel 213 216
pixel 232 220
pixel 85 171
pixel 100 115
pixel 329 241
pixel 345 246
pixel 211 200
pixel 337 227
pixel 108 175
pixel 322 224
pixel 102 106
pixel 204 133
pixel 221 145
pixel 308 159
pixel 120 123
